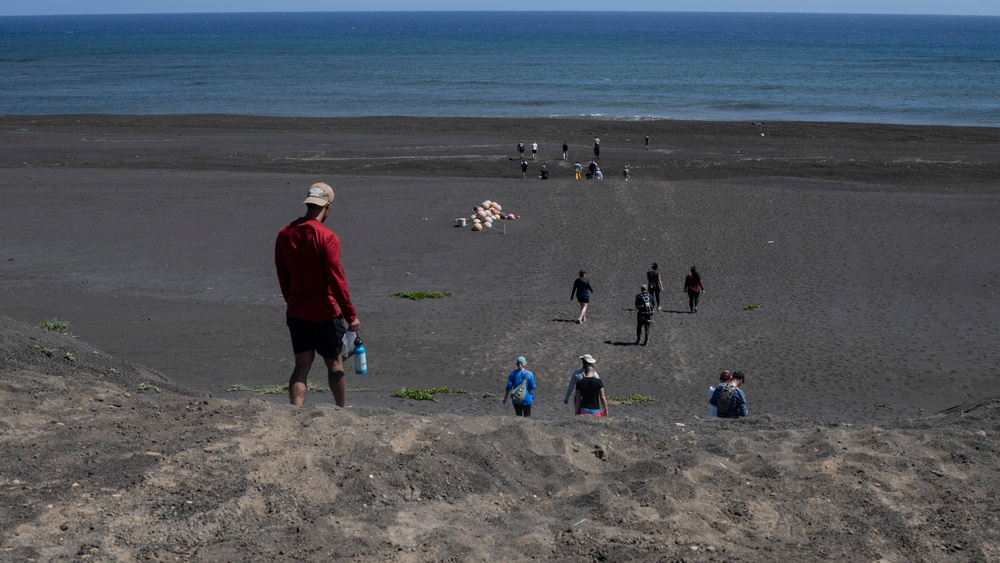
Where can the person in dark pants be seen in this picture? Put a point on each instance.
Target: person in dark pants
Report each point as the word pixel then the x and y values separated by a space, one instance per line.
pixel 520 149
pixel 643 314
pixel 522 407
pixel 655 284
pixel 566 151
pixel 591 170
pixel 694 289
pixel 597 149
pixel 524 168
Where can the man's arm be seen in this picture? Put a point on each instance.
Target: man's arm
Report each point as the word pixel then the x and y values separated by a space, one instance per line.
pixel 284 279
pixel 337 283
pixel 569 389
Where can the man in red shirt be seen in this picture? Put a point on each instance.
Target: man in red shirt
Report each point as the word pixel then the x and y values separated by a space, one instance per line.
pixel 307 257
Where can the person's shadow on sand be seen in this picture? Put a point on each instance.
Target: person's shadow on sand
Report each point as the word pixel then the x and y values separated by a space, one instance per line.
pixel 564 320
pixel 620 343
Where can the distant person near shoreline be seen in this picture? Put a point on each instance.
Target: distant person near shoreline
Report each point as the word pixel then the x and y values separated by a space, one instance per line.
pixel 307 259
pixel 597 149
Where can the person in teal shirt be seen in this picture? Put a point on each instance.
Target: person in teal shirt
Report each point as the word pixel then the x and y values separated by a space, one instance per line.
pixel 514 380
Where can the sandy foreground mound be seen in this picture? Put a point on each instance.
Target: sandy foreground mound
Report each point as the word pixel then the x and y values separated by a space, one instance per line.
pixel 104 460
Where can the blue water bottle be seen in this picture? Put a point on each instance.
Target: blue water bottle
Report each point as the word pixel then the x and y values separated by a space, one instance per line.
pixel 360 361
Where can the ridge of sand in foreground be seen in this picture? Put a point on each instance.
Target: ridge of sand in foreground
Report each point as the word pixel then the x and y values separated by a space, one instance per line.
pixel 124 474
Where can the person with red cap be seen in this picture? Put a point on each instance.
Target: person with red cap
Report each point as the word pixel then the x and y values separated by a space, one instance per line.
pixel 724 378
pixel 307 258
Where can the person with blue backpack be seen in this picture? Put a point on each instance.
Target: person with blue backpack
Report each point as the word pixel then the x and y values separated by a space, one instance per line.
pixel 520 384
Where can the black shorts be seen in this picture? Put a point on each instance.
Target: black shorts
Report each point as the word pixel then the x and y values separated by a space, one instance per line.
pixel 325 337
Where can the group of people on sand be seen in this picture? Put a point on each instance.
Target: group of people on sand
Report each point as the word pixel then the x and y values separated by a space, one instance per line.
pixel 319 312
pixel 593 170
pixel 585 387
pixel 648 297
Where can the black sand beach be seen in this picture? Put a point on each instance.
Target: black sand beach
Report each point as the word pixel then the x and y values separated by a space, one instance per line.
pixel 868 249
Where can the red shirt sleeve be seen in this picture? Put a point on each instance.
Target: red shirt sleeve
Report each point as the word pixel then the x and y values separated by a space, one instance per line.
pixel 336 280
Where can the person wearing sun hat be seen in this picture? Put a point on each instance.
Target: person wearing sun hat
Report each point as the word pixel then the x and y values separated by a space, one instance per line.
pixel 514 380
pixel 318 310
pixel 577 375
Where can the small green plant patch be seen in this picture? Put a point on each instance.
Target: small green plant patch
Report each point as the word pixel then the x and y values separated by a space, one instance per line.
pixel 490 395
pixel 148 387
pixel 881 406
pixel 47 351
pixel 274 389
pixel 362 390
pixel 56 326
pixel 418 295
pixel 631 399
pixel 422 394
pixel 752 307
pixel 69 357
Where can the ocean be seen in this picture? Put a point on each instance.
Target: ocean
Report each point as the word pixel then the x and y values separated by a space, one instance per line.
pixel 942 70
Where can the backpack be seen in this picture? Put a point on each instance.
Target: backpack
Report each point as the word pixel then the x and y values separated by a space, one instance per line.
pixel 517 394
pixel 643 304
pixel 722 397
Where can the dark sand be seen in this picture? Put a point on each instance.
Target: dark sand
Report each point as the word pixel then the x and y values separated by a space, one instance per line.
pixel 870 249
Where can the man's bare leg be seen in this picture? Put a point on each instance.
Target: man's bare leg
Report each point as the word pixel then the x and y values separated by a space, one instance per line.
pixel 338 380
pixel 297 382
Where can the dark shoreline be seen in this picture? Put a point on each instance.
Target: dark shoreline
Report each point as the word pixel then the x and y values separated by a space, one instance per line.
pixel 901 155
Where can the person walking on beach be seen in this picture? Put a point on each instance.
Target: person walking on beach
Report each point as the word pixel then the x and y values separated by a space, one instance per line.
pixel 534 150
pixel 582 290
pixel 724 378
pixel 524 168
pixel 590 397
pixel 655 284
pixel 591 170
pixel 626 173
pixel 694 289
pixel 598 175
pixel 566 151
pixel 647 142
pixel 597 149
pixel 729 400
pixel 307 259
pixel 577 375
pixel 520 384
pixel 577 169
pixel 543 173
pixel 643 314
pixel 520 150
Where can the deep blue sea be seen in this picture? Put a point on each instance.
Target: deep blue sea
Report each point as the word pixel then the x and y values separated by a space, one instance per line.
pixel 862 68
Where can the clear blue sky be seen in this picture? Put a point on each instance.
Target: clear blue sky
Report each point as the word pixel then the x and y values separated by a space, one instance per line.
pixel 49 7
